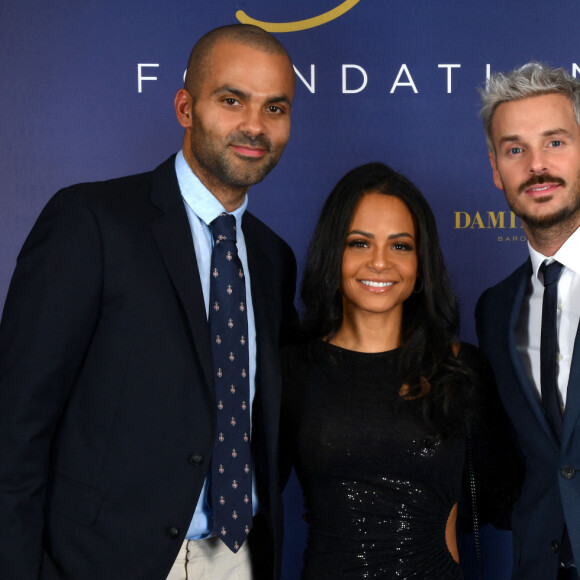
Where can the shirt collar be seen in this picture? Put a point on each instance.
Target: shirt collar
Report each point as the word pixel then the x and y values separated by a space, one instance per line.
pixel 568 255
pixel 198 197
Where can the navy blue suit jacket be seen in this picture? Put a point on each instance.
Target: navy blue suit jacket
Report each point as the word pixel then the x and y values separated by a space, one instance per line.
pixel 550 494
pixel 107 405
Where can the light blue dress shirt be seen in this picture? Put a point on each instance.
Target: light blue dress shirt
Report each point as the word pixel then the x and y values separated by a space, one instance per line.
pixel 202 208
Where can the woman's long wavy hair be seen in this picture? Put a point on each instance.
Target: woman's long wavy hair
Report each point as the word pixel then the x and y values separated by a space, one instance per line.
pixel 430 314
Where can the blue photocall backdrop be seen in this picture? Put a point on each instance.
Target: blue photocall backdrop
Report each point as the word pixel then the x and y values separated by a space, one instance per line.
pixel 87 94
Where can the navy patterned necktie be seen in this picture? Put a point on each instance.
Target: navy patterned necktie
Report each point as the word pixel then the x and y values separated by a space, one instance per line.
pixel 231 478
pixel 549 347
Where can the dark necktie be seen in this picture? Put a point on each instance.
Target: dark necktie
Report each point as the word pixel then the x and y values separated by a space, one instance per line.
pixel 549 365
pixel 549 347
pixel 231 479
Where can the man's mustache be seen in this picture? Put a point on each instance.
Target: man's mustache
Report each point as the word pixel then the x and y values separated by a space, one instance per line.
pixel 538 180
pixel 260 141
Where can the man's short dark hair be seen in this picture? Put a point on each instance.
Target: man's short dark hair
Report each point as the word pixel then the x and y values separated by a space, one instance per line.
pixel 245 34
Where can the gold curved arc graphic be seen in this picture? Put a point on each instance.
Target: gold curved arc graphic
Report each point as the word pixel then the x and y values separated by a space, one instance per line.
pixel 299 24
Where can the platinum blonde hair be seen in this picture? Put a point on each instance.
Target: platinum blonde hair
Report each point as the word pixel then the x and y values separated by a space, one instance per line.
pixel 531 80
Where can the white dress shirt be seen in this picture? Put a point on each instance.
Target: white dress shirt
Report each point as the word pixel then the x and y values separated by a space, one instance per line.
pixel 529 326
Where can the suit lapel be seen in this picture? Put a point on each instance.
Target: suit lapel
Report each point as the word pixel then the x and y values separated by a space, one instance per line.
pixel 573 394
pixel 173 237
pixel 266 318
pixel 262 288
pixel 528 390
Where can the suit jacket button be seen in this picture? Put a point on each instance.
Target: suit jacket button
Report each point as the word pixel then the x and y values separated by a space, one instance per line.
pixel 195 459
pixel 555 547
pixel 172 532
pixel 567 471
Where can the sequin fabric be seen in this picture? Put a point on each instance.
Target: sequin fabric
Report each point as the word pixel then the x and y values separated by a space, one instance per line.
pixel 378 488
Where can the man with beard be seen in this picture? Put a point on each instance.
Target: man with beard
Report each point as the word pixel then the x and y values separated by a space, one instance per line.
pixel 114 405
pixel 527 323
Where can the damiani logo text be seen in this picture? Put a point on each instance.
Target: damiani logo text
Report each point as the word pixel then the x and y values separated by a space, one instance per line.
pixel 490 220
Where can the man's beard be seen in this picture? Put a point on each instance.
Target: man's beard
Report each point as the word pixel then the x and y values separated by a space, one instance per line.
pixel 217 160
pixel 561 216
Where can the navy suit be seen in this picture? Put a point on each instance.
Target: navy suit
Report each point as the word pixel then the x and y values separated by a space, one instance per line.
pixel 107 405
pixel 550 495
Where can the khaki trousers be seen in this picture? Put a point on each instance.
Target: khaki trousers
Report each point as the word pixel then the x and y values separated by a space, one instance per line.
pixel 211 559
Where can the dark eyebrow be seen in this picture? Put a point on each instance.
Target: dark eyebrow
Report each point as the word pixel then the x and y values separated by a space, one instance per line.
pixel 553 132
pixel 401 235
pixel 549 133
pixel 509 139
pixel 369 235
pixel 242 94
pixel 280 99
pixel 225 89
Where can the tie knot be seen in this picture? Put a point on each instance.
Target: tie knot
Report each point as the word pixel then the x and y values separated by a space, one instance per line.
pixel 551 272
pixel 224 228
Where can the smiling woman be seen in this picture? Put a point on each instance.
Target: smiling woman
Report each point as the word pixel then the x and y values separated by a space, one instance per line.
pixel 377 406
pixel 379 269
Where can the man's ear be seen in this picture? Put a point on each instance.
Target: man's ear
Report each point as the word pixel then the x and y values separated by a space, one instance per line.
pixel 496 176
pixel 183 107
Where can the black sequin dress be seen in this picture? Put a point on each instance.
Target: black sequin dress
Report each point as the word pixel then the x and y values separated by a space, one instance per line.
pixel 378 487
